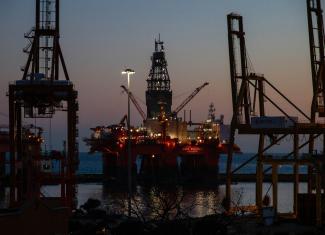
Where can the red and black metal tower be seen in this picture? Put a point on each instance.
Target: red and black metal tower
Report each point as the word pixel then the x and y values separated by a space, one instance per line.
pixel 158 94
pixel 40 94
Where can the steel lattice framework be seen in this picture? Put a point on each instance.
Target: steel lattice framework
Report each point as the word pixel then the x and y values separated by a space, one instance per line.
pixel 39 94
pixel 243 82
pixel 158 94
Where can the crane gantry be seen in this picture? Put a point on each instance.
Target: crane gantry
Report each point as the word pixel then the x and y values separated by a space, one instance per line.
pixel 246 120
pixel 40 94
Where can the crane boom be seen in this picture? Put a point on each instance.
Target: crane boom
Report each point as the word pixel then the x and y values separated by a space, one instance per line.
pixel 122 122
pixel 189 98
pixel 134 101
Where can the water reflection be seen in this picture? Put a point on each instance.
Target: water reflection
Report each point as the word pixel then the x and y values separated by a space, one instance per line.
pixel 199 201
pixel 155 201
pixel 205 201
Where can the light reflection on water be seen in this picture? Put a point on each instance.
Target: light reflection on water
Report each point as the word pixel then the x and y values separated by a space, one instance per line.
pixel 205 201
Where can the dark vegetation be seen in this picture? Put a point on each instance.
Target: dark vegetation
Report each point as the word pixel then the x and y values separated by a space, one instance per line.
pixel 160 212
pixel 169 212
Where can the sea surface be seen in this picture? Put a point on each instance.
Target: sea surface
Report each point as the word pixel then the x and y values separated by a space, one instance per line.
pixel 201 201
pixel 92 164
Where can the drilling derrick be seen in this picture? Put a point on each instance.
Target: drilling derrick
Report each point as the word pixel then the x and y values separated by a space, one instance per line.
pixel 158 94
pixel 40 94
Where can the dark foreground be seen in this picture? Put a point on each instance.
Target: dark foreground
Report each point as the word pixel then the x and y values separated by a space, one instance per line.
pixel 89 219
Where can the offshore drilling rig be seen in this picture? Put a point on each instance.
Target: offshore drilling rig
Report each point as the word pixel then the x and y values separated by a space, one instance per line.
pixel 40 94
pixel 164 148
pixel 249 93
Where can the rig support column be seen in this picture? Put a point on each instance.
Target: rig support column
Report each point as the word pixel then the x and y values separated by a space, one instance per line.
pixel 275 186
pixel 259 174
pixel 12 142
pixel 229 170
pixel 295 173
pixel 318 195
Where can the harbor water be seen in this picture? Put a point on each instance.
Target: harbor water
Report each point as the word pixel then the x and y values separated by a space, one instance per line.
pixel 203 201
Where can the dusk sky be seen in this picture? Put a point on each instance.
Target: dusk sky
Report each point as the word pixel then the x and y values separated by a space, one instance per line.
pixel 100 37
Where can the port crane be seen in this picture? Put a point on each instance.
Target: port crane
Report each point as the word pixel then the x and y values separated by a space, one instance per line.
pixel 39 95
pixel 317 57
pixel 317 60
pixel 243 82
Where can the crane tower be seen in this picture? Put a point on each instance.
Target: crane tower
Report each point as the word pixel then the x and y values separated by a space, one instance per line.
pixel 39 95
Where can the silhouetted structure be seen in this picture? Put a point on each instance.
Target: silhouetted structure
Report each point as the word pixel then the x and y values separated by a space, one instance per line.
pixel 40 94
pixel 158 92
pixel 250 117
